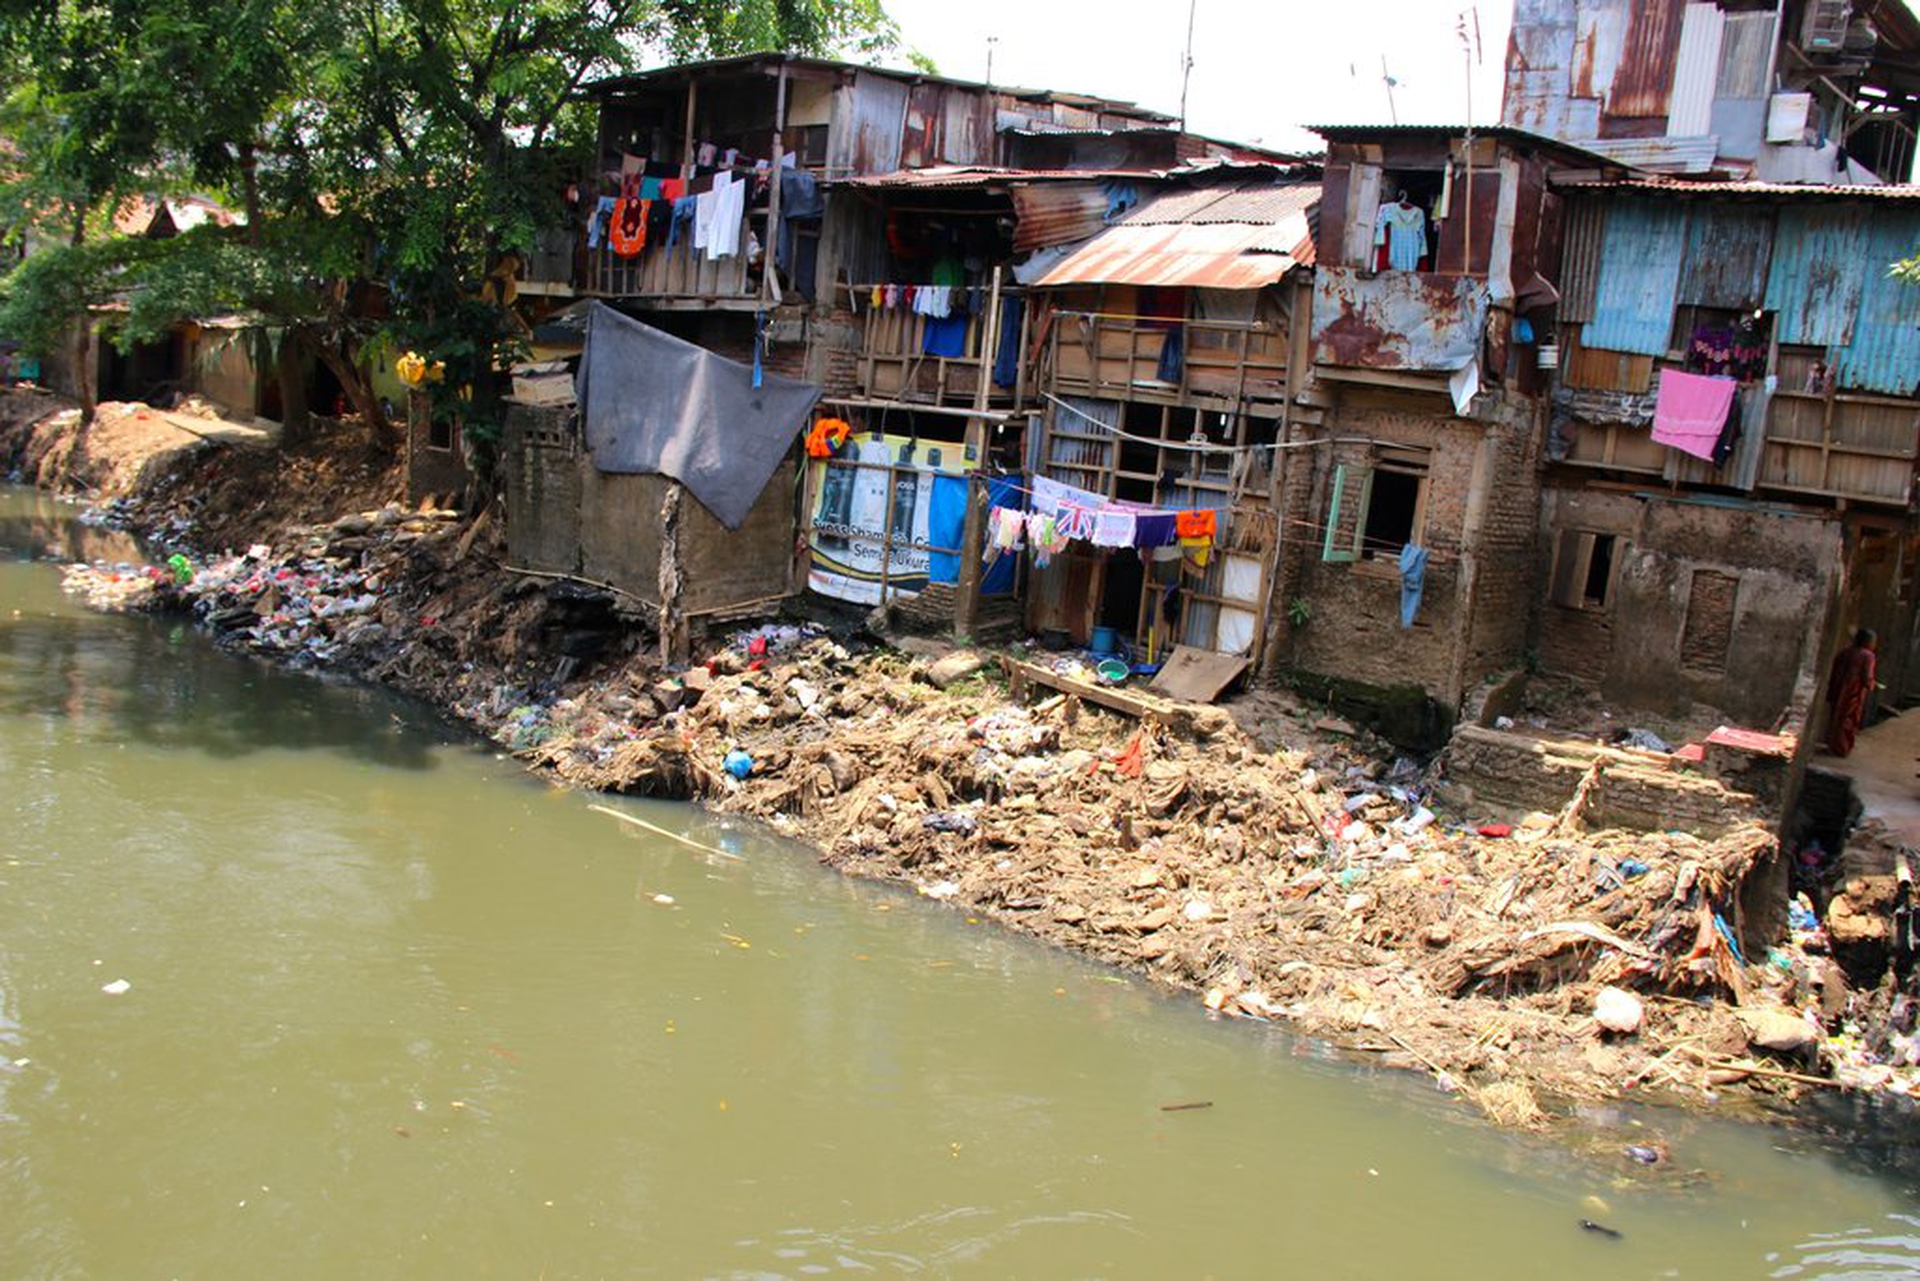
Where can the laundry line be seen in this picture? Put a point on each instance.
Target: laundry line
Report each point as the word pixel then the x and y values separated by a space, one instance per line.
pixel 1208 447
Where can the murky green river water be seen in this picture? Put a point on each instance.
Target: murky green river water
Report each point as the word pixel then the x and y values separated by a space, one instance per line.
pixel 398 1010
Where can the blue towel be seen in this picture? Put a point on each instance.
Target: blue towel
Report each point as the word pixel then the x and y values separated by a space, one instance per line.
pixel 946 336
pixel 1413 578
pixel 946 525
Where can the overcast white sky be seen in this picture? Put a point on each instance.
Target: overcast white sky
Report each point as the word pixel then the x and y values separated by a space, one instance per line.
pixel 1262 68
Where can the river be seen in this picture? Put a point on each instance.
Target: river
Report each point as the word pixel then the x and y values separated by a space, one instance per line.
pixel 396 1009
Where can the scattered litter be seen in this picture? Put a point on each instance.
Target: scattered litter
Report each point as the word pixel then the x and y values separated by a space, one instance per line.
pixel 119 987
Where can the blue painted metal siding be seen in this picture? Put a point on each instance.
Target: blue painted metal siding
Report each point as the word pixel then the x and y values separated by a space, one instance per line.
pixel 1819 268
pixel 1884 355
pixel 1728 249
pixel 1640 258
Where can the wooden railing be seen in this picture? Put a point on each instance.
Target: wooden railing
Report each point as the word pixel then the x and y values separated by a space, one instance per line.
pixel 894 364
pixel 1224 364
pixel 677 274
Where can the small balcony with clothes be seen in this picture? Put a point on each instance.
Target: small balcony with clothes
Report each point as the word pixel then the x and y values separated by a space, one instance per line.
pixel 1215 364
pixel 667 268
pixel 909 355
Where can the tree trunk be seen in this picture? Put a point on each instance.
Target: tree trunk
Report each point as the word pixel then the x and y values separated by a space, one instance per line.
pixel 296 422
pixel 83 339
pixel 357 382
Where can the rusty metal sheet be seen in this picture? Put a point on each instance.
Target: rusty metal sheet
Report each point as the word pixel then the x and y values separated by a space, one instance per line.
pixel 867 121
pixel 1057 213
pixel 1676 155
pixel 1746 54
pixel 1539 62
pixel 1643 81
pixel 925 124
pixel 1818 271
pixel 1728 249
pixel 1639 276
pixel 1210 256
pixel 1884 355
pixel 1397 319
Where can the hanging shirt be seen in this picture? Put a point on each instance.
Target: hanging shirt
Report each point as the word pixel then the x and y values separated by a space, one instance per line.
pixel 1046 538
pixel 1403 230
pixel 1113 527
pixel 729 207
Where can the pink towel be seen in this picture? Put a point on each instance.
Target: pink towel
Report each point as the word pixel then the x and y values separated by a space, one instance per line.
pixel 1690 411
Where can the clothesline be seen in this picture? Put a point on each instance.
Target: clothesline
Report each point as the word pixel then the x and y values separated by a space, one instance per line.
pixel 1208 447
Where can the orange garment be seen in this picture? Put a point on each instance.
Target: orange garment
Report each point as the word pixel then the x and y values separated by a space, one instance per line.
pixel 828 434
pixel 628 233
pixel 1195 524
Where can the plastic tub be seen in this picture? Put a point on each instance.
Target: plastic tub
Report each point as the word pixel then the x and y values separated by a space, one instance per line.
pixel 1105 641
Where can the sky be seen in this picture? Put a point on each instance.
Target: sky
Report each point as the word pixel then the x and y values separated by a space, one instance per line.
pixel 1262 69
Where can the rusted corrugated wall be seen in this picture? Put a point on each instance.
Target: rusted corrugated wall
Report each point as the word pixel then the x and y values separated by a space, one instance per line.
pixel 1819 266
pixel 1885 352
pixel 1641 252
pixel 1580 264
pixel 1643 80
pixel 1728 249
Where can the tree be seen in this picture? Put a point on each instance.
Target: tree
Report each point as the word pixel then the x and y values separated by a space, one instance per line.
pixel 403 148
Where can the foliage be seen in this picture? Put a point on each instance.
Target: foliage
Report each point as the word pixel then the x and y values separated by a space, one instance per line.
pixel 407 146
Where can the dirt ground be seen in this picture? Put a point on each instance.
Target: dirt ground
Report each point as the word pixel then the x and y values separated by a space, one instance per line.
pixel 1275 874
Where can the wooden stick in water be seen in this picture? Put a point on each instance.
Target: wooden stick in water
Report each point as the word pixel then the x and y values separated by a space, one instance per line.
pixel 661 831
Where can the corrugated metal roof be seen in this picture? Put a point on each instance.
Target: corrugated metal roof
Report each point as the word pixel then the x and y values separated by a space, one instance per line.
pixel 1057 213
pixel 1200 256
pixel 1683 155
pixel 1792 190
pixel 1241 236
pixel 1639 276
pixel 982 176
pixel 1270 203
pixel 1884 355
pixel 1818 270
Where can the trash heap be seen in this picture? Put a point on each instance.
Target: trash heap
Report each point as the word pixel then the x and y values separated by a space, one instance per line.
pixel 1322 889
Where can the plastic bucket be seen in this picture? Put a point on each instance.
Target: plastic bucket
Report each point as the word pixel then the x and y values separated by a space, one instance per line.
pixel 1105 641
pixel 1113 671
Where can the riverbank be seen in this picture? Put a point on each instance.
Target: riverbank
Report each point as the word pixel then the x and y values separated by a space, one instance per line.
pixel 1279 875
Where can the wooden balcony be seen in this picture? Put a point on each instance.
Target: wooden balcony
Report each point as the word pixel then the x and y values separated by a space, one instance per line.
pixel 1224 365
pixel 678 277
pixel 894 364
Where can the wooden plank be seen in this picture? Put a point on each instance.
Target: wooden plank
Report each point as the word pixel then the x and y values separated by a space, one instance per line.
pixel 1138 705
pixel 1198 675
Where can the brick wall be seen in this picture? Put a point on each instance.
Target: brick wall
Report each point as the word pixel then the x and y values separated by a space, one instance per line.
pixel 430 470
pixel 1490 773
pixel 1712 608
pixel 1480 524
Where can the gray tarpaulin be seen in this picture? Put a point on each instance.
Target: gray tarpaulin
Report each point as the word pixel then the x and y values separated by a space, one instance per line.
pixel 651 403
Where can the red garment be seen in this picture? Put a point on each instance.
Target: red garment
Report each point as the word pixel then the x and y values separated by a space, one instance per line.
pixel 1849 695
pixel 828 435
pixel 1196 524
pixel 627 232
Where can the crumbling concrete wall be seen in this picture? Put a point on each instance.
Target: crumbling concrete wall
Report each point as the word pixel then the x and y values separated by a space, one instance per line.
pixel 1676 633
pixel 433 470
pixel 1491 772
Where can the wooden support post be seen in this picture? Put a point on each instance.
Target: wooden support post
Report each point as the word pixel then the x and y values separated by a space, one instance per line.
pixel 973 539
pixel 886 537
pixel 675 647
pixel 769 265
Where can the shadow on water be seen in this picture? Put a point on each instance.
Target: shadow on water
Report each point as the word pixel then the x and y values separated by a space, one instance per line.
pixel 155 682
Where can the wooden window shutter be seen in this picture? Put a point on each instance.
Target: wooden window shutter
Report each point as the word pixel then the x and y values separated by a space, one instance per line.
pixel 1352 491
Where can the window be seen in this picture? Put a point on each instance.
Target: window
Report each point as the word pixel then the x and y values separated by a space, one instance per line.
pixel 439 432
pixel 1374 511
pixel 1709 629
pixel 1583 569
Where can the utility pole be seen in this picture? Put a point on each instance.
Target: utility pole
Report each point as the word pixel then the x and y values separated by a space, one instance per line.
pixel 1469 28
pixel 991 41
pixel 1186 64
pixel 1386 78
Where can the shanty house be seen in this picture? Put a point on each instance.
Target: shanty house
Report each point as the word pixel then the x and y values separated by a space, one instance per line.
pixel 1719 572
pixel 1411 506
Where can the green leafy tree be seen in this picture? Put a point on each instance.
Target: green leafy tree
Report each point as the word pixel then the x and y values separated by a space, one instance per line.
pixel 391 156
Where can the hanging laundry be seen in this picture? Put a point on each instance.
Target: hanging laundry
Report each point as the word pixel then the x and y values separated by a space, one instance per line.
pixel 878 300
pixel 685 210
pixel 893 297
pixel 602 219
pixel 706 154
pixel 827 436
pixel 1400 235
pixel 933 300
pixel 672 188
pixel 1005 527
pixel 1113 527
pixel 1050 496
pixel 703 206
pixel 1413 579
pixel 730 207
pixel 946 338
pixel 628 234
pixel 1690 411
pixel 1077 521
pixel 1172 357
pixel 1006 358
pixel 1201 523
pixel 1154 529
pixel 650 188
pixel 1046 538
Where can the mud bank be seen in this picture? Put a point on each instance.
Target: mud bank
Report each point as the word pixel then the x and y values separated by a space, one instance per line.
pixel 1312 885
